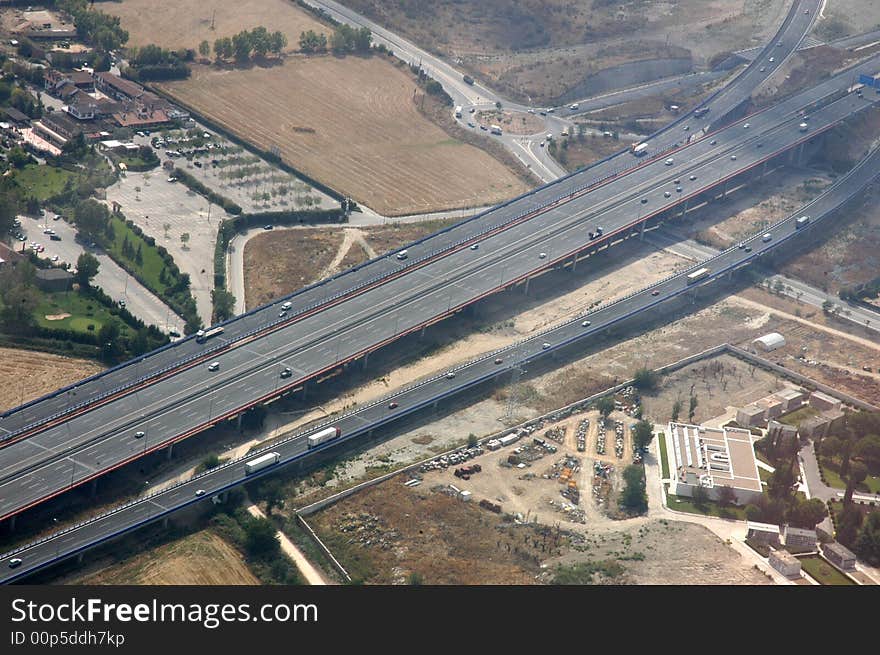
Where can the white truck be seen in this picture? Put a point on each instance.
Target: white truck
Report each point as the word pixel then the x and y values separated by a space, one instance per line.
pixel 698 275
pixel 640 149
pixel 323 436
pixel 495 129
pixel 204 335
pixel 261 462
pixel 803 127
pixel 458 111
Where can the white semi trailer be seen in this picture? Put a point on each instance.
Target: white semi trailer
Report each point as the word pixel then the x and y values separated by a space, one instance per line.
pixel 261 462
pixel 323 436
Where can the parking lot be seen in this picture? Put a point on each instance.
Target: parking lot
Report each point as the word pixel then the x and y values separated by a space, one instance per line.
pixel 115 281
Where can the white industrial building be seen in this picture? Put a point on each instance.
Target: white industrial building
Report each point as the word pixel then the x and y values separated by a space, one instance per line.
pixel 769 342
pixel 713 458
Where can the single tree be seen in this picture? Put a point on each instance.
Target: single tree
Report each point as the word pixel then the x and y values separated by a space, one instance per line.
pixel 86 268
pixel 867 543
pixel 605 405
pixel 726 496
pixel 645 379
pixel 261 538
pixel 857 474
pixel 676 410
pixel 642 433
pixel 692 408
pixel 184 239
pixel 700 496
pixel 224 304
pixel 205 49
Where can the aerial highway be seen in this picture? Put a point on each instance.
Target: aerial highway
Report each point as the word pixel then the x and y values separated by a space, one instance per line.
pixel 84 445
pixel 578 329
pixel 25 419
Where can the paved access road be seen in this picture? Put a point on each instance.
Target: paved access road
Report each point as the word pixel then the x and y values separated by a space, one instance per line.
pixel 111 277
pixel 422 394
pixel 88 444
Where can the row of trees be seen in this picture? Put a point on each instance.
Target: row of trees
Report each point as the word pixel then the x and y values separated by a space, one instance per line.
pixel 347 39
pixel 152 62
pixel 257 42
pixel 311 42
pixel 95 27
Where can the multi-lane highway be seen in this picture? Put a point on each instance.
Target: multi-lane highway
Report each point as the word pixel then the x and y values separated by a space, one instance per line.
pixel 85 445
pixel 86 392
pixel 353 424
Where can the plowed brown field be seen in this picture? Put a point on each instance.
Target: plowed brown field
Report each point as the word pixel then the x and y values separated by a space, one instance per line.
pixel 352 123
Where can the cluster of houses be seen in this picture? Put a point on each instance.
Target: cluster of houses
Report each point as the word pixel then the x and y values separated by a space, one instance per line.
pixel 94 105
pixel 783 541
pixel 763 413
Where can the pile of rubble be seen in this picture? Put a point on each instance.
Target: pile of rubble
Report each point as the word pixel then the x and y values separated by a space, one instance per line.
pixel 465 472
pixel 602 482
pixel 581 434
pixel 557 434
pixel 618 439
pixel 633 407
pixel 457 457
pixel 600 436
pixel 571 512
pixel 367 530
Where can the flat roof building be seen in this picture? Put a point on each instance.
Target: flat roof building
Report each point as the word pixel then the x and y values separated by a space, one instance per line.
pixel 799 538
pixel 713 458
pixel 792 399
pixel 772 405
pixel 839 555
pixel 786 563
pixel 767 533
pixel 823 401
pixel 750 416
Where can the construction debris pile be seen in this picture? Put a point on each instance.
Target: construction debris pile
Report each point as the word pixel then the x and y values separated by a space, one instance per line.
pixel 457 457
pixel 572 513
pixel 618 439
pixel 557 434
pixel 489 505
pixel 565 471
pixel 581 434
pixel 465 472
pixel 602 482
pixel 600 436
pixel 367 530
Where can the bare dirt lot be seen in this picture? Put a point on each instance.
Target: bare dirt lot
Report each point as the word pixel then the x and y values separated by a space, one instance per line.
pixel 201 558
pixel 186 23
pixel 354 124
pixel 29 374
pixel 280 262
pixel 389 532
pixel 543 48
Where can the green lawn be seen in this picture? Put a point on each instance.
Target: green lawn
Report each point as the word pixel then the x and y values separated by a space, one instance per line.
pixel 823 571
pixel 83 312
pixel 795 417
pixel 685 504
pixel 831 468
pixel 152 263
pixel 664 463
pixel 42 182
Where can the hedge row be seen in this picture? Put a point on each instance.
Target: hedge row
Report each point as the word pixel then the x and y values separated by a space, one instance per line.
pixel 53 345
pixel 178 296
pixel 209 194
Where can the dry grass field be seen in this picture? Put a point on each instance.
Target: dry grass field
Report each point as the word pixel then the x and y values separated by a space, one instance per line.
pixel 28 374
pixel 352 123
pixel 543 48
pixel 202 558
pixel 186 23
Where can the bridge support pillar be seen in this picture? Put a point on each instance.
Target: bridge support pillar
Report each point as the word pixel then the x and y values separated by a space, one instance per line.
pixel 434 405
pixel 800 154
pixel 422 332
pixel 238 422
pixel 12 522
pixel 305 390
pixel 366 359
pixel 642 231
pixel 574 263
pixel 724 189
pixel 93 488
pixel 79 558
pixel 684 208
pixel 526 287
pixel 165 522
pixel 171 447
pixel 764 168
